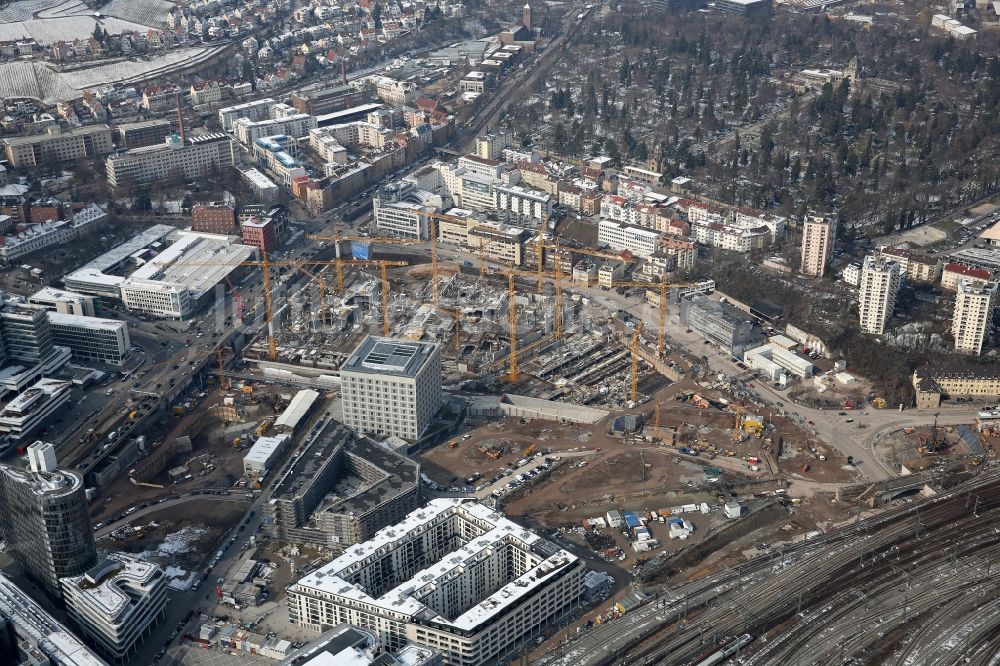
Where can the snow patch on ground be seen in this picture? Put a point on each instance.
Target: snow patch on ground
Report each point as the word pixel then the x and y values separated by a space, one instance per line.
pixel 177 543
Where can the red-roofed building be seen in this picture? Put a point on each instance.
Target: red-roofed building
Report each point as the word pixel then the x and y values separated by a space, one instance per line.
pixel 953 273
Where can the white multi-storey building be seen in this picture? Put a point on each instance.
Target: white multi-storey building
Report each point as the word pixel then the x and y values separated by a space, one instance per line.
pixel 972 322
pixel 402 219
pixel 727 237
pixel 248 131
pixel 391 387
pixel 453 576
pixel 199 155
pixel 66 302
pixel 476 192
pixel 877 293
pixel 640 242
pixel 520 204
pixel 256 110
pixel 116 603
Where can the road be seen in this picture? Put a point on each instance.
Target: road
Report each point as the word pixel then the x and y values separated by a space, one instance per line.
pixel 166 504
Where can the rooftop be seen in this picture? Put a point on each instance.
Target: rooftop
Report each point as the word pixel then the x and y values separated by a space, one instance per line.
pixel 101 587
pixel 389 356
pixel 94 272
pixel 92 323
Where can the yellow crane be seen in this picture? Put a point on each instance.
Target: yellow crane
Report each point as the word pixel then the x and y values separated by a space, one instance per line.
pixel 265 269
pixel 662 286
pixel 220 359
pixel 514 373
pixel 634 347
pixel 457 316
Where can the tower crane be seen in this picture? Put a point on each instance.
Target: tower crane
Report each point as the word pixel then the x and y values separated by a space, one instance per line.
pixel 514 373
pixel 663 286
pixel 559 250
pixel 634 347
pixel 265 268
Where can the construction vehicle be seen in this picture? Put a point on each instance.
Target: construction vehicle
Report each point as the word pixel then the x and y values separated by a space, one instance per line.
pixel 134 413
pixel 528 450
pixel 264 425
pixel 453 444
pixel 247 389
pixel 491 453
pixel 700 402
pixel 237 441
pixel 878 403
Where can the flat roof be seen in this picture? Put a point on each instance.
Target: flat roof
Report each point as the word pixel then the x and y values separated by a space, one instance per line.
pixel 93 272
pixel 389 356
pixel 45 136
pixel 264 448
pixel 93 323
pixel 297 408
pixel 196 261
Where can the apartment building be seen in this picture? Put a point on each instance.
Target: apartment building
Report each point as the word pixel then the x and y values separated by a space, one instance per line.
pixel 326 100
pixel 521 205
pixel 818 237
pixel 933 382
pixel 261 233
pixel 198 156
pixel 263 188
pixel 735 239
pixel 272 152
pixel 116 603
pixel 748 218
pixel 46 524
pixel 953 273
pixel 91 339
pixel 58 145
pixel 391 387
pixel 453 576
pixel 620 237
pixel 705 214
pixel 880 282
pixel 972 321
pixel 915 267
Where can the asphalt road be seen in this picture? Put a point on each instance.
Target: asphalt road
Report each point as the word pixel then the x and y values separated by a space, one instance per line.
pixel 166 504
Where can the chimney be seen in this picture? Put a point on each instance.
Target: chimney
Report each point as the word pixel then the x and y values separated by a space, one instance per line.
pixel 180 119
pixel 343 70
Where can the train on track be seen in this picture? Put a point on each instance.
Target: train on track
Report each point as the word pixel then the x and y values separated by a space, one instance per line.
pixel 728 651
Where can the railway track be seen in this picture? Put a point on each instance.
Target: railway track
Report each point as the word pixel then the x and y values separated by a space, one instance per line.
pixel 887 577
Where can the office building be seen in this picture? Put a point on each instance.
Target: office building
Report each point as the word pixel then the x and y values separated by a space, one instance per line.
pixel 774 360
pixel 721 323
pixel 325 100
pixel 116 603
pixel 261 233
pixel 375 487
pixel 46 523
pixel 742 7
pixel 99 277
pixel 453 576
pixel 621 237
pixel 392 387
pixel 91 339
pixel 503 244
pixel 818 237
pixel 347 645
pixel 402 219
pixel 58 145
pixel 259 109
pixel 263 188
pixel 213 218
pixel 248 131
pixel 30 636
pixel 27 334
pixel 972 322
pixel 187 159
pixel 36 405
pixel 65 302
pixel 880 281
pixel 144 133
pixel 272 152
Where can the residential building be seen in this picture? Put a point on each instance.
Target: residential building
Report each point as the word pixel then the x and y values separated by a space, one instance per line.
pixel 952 275
pixel 915 267
pixel 521 205
pixel 748 218
pixel 273 153
pixel 213 217
pixel 491 146
pixel 46 522
pixel 704 214
pixel 157 99
pixel 972 321
pixel 454 576
pixel 721 323
pixel 58 145
pixel 116 603
pixel 933 382
pixel 265 190
pixel 620 237
pixel 144 133
pixel 852 274
pixel 65 302
pixel 818 237
pixel 205 92
pixel 880 281
pixel 191 159
pixel 305 510
pixel 391 387
pixel 389 90
pixel 91 339
pixel 732 238
pixel 30 636
pixel 248 131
